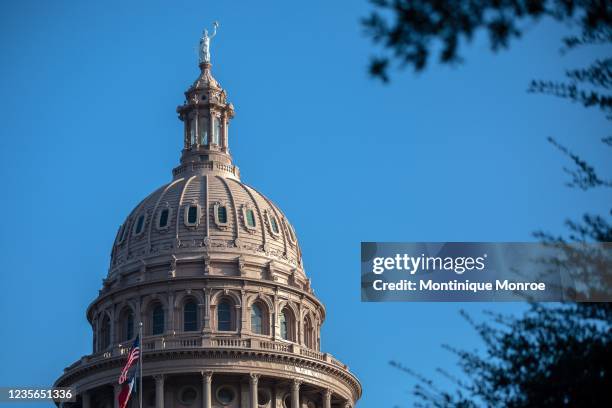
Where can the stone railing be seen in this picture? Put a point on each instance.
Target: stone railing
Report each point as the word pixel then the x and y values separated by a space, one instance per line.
pixel 156 343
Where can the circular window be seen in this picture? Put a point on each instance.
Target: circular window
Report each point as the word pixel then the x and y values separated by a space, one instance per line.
pixel 225 395
pixel 263 397
pixel 188 395
pixel 287 401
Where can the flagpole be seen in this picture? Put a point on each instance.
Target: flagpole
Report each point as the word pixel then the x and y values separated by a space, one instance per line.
pixel 141 358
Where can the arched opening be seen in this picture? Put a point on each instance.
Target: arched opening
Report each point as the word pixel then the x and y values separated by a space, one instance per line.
pixel 105 333
pixel 126 324
pixel 157 319
pixel 190 316
pixel 225 321
pixel 259 318
pixel 216 130
pixel 286 325
pixel 203 128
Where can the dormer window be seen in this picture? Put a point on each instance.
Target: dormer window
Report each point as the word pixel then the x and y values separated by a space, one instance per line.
pixel 250 218
pixel 273 223
pixel 120 234
pixel 163 218
pixel 220 214
pixel 290 233
pixel 192 215
pixel 139 225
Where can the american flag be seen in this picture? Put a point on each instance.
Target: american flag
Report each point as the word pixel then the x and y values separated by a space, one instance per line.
pixel 133 357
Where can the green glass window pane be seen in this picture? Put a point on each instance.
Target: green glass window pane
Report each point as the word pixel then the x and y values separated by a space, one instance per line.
pixel 203 131
pixel 284 326
pixel 192 215
pixel 274 225
pixel 158 320
pixel 216 130
pixel 139 224
pixel 190 317
pixel 222 214
pixel 224 317
pixel 105 333
pixel 129 326
pixel 256 319
pixel 163 218
pixel 250 215
pixel 192 132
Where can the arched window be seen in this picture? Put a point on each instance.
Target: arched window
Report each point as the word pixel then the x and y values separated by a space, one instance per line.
pixel 250 218
pixel 192 132
pixel 126 322
pixel 274 225
pixel 192 214
pixel 286 324
pixel 222 214
pixel 190 316
pixel 203 130
pixel 157 320
pixel 129 325
pixel 216 130
pixel 257 319
pixel 139 225
pixel 105 336
pixel 163 218
pixel 224 316
pixel 308 333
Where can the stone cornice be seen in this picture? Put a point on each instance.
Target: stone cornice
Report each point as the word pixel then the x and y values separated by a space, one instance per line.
pixel 80 372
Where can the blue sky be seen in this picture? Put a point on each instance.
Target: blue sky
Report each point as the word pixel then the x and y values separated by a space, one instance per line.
pixel 88 93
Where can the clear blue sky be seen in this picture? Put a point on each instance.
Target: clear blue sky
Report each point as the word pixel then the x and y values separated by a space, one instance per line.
pixel 88 92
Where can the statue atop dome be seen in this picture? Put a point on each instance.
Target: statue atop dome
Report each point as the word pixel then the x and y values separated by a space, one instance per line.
pixel 205 44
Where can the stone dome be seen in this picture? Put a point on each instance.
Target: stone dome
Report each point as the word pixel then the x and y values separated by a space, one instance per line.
pixel 160 228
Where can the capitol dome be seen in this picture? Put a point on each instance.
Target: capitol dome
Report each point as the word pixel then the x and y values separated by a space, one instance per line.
pixel 208 271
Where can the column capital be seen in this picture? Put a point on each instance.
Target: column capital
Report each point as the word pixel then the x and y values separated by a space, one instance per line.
pixel 327 393
pixel 254 377
pixel 296 383
pixel 159 378
pixel 207 375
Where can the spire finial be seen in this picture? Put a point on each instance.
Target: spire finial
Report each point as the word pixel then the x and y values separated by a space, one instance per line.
pixel 205 44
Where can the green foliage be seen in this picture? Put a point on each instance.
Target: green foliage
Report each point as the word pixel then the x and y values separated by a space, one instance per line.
pixel 409 31
pixel 552 356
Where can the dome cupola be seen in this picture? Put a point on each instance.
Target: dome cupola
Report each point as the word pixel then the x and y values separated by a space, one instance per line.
pixel 206 114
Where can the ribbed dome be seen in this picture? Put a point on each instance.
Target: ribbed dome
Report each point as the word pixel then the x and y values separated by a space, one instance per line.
pixel 222 213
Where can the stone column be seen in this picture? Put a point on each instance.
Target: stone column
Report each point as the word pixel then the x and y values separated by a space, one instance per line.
pixel 159 391
pixel 207 389
pixel 327 398
pixel 253 382
pixel 171 323
pixel 86 399
pixel 206 313
pixel 116 391
pixel 244 314
pixel 295 393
